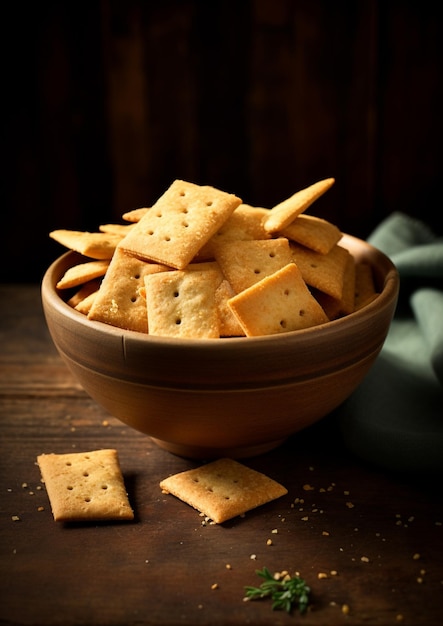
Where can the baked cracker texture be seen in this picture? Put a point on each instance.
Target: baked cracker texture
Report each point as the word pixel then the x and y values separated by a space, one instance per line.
pixel 223 489
pixel 85 486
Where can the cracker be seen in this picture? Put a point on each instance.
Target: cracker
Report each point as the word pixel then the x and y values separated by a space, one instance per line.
pixel 244 224
pixel 244 263
pixel 325 272
pixel 181 303
pixel 82 273
pixel 365 290
pixel 85 486
pixel 334 307
pixel 93 245
pixel 117 229
pixel 180 223
pixel 223 489
pixel 85 291
pixel 279 303
pixel 229 324
pixel 313 232
pixel 135 215
pixel 120 301
pixel 281 215
pixel 86 304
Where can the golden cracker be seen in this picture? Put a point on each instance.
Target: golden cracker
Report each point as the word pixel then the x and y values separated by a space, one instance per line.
pixel 281 215
pixel 82 273
pixel 325 272
pixel 244 263
pixel 85 486
pixel 93 245
pixel 135 215
pixel 180 223
pixel 223 489
pixel 313 232
pixel 365 289
pixel 181 303
pixel 279 303
pixel 120 301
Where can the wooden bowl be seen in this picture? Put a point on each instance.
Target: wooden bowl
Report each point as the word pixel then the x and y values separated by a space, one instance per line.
pixel 234 397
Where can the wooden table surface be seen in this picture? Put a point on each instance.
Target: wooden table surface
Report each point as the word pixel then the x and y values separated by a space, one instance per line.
pixel 361 538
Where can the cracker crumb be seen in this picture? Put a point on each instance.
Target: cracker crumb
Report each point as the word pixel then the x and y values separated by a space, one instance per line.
pixel 228 566
pixel 15 518
pixel 333 572
pixel 274 531
pixel 345 609
pixel 105 423
pixel 322 575
pixel 350 505
pixel 364 559
pixel 325 533
pixel 253 557
pixel 416 556
pixel 40 508
pixel 214 586
pixel 269 542
pixel 24 485
pixel 308 487
pixel 305 519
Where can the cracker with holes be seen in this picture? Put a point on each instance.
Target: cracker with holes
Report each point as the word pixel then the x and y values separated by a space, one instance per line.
pixel 223 489
pixel 325 272
pixel 85 486
pixel 279 303
pixel 244 224
pixel 93 245
pixel 281 215
pixel 244 263
pixel 82 273
pixel 182 220
pixel 120 301
pixel 313 232
pixel 181 303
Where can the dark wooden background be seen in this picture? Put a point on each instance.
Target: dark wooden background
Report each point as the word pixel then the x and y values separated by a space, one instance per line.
pixel 108 102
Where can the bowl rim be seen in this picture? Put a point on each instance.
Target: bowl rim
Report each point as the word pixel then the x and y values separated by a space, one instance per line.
pixel 388 293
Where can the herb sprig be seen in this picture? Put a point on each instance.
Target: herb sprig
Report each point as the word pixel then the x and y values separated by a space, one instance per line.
pixel 285 592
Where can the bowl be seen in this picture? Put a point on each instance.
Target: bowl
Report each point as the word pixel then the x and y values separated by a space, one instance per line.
pixel 236 397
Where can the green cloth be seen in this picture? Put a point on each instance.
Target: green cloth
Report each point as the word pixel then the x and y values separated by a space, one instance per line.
pixel 395 417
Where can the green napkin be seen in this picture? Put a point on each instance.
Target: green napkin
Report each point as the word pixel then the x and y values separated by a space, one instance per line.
pixel 395 418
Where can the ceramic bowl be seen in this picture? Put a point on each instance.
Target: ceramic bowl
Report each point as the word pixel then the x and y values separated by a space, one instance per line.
pixel 235 397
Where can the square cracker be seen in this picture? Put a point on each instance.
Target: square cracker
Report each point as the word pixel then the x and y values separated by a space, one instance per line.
pixel 93 245
pixel 85 486
pixel 244 263
pixel 181 303
pixel 82 273
pixel 181 221
pixel 223 489
pixel 313 232
pixel 281 215
pixel 325 272
pixel 120 301
pixel 279 303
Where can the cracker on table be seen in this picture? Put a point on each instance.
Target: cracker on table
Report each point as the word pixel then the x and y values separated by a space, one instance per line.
pixel 282 214
pixel 223 489
pixel 325 272
pixel 279 303
pixel 85 486
pixel 181 303
pixel 93 245
pixel 120 300
pixel 313 232
pixel 82 273
pixel 181 221
pixel 244 263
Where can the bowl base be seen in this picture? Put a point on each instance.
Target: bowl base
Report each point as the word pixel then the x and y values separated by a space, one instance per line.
pixel 207 453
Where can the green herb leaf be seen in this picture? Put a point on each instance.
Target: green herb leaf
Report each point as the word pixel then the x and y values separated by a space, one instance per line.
pixel 285 593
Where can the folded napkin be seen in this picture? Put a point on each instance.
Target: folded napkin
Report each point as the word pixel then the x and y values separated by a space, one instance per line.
pixel 395 418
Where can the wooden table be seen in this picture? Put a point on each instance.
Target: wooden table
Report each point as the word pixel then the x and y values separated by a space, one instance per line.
pixel 361 538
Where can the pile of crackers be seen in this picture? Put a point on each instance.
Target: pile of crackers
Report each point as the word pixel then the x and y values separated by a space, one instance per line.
pixel 202 264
